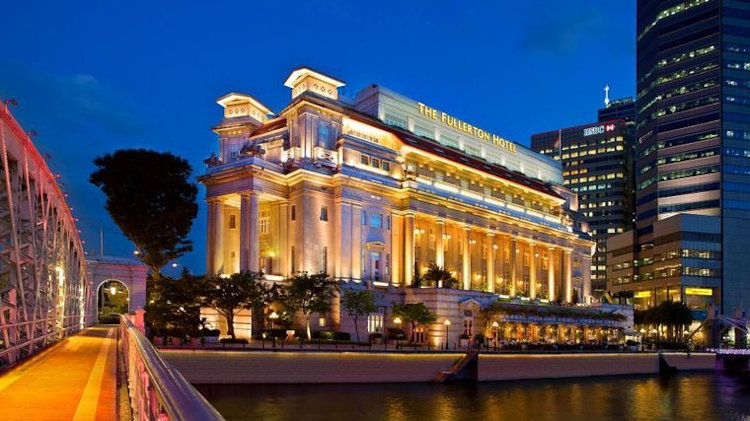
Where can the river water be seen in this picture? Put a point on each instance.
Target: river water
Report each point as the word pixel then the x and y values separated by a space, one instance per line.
pixel 704 396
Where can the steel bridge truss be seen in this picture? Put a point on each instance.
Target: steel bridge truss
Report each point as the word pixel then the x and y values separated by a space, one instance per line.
pixel 43 290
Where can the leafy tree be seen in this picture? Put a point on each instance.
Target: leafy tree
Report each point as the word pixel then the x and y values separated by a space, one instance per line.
pixel 673 315
pixel 227 294
pixel 437 275
pixel 417 314
pixel 359 303
pixel 309 294
pixel 174 308
pixel 150 198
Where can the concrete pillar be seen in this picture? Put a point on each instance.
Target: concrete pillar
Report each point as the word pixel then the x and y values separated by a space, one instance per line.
pixel 284 255
pixel 532 271
pixel 397 254
pixel 466 277
pixel 513 265
pixel 218 240
pixel 356 243
pixel 586 271
pixel 439 243
pixel 408 248
pixel 249 245
pixel 210 235
pixel 568 288
pixel 550 274
pixel 342 226
pixel 490 262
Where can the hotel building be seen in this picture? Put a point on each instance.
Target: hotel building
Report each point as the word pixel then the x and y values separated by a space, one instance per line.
pixel 692 236
pixel 376 188
pixel 597 165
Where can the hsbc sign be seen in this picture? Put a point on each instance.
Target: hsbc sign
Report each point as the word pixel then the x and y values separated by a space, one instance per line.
pixel 602 128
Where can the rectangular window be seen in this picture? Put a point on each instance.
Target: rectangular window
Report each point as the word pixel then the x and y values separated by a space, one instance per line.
pixel 375 162
pixel 364 217
pixel 375 323
pixel 324 213
pixel 388 223
pixel 323 263
pixel 294 212
pixel 294 261
pixel 386 166
pixel 232 221
pixel 376 220
pixel 364 160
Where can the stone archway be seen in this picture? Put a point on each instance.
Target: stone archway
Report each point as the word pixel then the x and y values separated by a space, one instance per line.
pixel 113 298
pixel 130 273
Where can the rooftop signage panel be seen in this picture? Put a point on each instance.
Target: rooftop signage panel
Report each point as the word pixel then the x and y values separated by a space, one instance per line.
pixel 465 127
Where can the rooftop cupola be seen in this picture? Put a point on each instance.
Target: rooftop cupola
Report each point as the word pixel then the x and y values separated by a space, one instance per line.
pixel 306 79
pixel 242 105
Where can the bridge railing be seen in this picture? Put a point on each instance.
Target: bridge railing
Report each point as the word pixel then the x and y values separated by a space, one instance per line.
pixel 157 390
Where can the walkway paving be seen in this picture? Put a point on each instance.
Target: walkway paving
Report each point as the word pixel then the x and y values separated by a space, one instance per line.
pixel 73 380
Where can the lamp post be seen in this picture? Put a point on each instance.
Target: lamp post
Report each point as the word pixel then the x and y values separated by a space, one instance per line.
pixel 397 321
pixel 447 324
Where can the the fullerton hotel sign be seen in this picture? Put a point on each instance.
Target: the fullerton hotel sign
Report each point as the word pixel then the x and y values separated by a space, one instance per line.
pixel 465 127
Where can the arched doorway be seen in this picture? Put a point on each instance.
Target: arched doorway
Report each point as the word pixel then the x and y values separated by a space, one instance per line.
pixel 113 299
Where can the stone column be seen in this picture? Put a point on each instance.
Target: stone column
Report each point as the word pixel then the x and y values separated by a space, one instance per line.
pixel 284 258
pixel 550 274
pixel 466 277
pixel 586 271
pixel 513 264
pixel 408 248
pixel 532 270
pixel 568 290
pixel 490 262
pixel 218 240
pixel 439 243
pixel 210 235
pixel 249 245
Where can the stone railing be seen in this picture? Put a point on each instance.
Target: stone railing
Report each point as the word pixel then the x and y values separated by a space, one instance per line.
pixel 157 390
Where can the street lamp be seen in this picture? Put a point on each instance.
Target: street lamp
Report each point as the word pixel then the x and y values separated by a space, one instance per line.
pixel 112 290
pixel 397 321
pixel 273 317
pixel 447 323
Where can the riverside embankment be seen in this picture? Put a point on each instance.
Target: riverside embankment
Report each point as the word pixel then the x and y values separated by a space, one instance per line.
pixel 290 367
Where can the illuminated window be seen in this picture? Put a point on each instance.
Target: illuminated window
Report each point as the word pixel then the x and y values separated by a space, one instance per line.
pixel 375 323
pixel 232 221
pixel 263 222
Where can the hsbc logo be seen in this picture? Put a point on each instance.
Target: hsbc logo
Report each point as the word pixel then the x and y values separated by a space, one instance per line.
pixel 594 130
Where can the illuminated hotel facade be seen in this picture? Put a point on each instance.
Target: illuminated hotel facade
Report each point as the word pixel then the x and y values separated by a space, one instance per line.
pixel 374 189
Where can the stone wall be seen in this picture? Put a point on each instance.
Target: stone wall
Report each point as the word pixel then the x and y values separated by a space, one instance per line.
pixel 259 367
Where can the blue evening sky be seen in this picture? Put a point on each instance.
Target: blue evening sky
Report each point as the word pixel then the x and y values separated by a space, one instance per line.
pixel 93 77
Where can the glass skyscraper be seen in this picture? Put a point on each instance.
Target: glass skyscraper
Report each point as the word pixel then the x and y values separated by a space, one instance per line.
pixel 692 157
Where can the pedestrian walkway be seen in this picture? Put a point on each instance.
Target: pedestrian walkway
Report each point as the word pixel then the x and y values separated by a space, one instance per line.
pixel 73 380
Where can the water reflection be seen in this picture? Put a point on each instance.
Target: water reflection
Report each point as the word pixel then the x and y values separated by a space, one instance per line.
pixel 682 397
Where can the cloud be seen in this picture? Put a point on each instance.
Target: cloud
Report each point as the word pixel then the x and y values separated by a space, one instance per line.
pixel 76 104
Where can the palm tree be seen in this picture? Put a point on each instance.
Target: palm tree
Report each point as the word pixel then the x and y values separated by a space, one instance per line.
pixel 440 277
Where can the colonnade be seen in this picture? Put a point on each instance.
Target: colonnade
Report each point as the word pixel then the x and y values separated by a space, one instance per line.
pixel 558 259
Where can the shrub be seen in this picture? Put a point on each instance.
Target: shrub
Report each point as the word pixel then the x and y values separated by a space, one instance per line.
pixel 631 342
pixel 233 341
pixel 395 333
pixel 276 333
pixel 323 335
pixel 342 336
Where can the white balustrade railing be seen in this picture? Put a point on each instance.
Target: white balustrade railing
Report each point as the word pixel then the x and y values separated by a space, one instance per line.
pixel 157 390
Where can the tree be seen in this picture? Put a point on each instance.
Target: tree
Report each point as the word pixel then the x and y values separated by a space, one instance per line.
pixel 358 303
pixel 417 314
pixel 309 294
pixel 227 294
pixel 150 198
pixel 673 315
pixel 438 276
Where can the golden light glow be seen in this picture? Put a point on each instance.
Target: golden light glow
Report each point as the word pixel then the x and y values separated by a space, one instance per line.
pixel 699 291
pixel 447 322
pixel 642 294
pixel 397 320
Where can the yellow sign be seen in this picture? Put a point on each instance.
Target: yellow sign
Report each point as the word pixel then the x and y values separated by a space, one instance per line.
pixel 465 127
pixel 642 294
pixel 699 291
